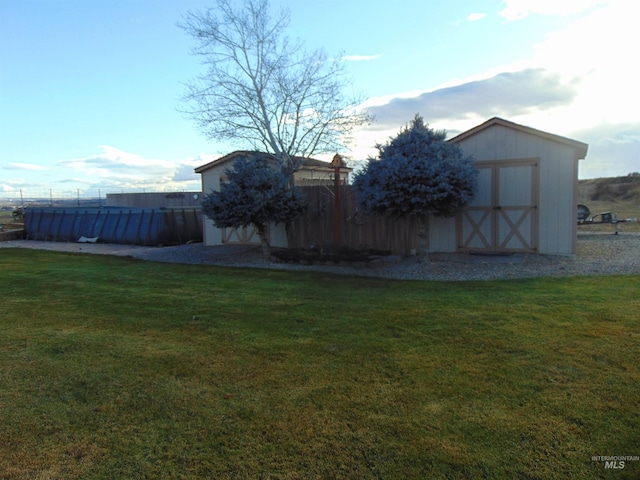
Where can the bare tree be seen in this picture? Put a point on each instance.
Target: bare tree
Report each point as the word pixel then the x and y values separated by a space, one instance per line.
pixel 262 90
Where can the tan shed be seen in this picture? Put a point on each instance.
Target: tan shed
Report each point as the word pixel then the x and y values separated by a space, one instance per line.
pixel 312 172
pixel 527 196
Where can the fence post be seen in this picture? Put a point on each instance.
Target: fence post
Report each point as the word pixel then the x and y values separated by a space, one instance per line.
pixel 337 163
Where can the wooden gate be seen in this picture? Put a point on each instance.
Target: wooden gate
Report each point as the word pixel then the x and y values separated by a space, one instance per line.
pixel 503 216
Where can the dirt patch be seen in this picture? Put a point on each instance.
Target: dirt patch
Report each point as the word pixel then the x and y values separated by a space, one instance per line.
pixel 12 226
pixel 8 234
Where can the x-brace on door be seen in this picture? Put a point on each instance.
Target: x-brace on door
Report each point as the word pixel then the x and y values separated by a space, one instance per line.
pixel 503 216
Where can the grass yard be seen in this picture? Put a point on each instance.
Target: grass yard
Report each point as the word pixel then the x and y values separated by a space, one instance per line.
pixel 116 368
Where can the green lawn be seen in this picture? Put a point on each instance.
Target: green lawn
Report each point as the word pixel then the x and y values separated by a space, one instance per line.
pixel 117 368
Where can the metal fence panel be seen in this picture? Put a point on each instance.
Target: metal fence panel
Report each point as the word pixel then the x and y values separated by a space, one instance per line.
pixel 114 225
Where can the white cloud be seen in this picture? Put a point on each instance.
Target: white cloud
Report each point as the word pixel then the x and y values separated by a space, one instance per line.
pixel 526 96
pixel 115 168
pixel 519 9
pixel 22 166
pixel 6 188
pixel 360 58
pixel 508 94
pixel 16 186
pixel 474 17
pixel 613 148
pixel 185 173
pixel 113 159
pixel 579 82
pixel 600 49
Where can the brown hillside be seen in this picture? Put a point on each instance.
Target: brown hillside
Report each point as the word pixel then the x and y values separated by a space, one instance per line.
pixel 618 195
pixel 616 189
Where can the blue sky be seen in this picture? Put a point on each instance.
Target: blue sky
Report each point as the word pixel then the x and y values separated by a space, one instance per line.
pixel 90 89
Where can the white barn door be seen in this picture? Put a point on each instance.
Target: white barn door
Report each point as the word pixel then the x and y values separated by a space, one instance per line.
pixel 503 216
pixel 475 223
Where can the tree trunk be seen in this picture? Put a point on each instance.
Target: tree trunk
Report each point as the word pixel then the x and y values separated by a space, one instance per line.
pixel 264 241
pixel 288 169
pixel 423 236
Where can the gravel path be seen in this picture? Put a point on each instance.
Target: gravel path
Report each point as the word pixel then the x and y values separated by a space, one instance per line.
pixel 597 254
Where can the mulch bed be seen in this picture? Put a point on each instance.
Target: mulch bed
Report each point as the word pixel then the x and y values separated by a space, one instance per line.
pixel 345 256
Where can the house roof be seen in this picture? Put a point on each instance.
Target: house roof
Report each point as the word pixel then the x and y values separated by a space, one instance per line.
pixel 307 163
pixel 580 147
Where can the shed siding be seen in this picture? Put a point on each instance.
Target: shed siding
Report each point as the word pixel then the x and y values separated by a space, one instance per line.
pixel 213 235
pixel 558 176
pixel 278 235
pixel 211 182
pixel 442 234
pixel 557 179
pixel 211 178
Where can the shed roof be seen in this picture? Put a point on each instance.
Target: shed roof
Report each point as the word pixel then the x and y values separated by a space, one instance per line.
pixel 307 163
pixel 580 147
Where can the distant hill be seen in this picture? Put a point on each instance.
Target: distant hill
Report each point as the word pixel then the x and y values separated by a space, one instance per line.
pixel 615 189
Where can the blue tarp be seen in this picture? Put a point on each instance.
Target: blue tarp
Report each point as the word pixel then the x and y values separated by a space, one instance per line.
pixel 130 226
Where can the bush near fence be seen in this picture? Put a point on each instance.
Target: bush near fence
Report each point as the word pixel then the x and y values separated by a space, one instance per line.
pixel 316 227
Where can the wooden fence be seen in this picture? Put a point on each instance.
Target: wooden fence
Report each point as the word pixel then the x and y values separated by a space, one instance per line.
pixel 317 226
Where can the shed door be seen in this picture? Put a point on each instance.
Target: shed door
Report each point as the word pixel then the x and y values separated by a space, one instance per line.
pixel 241 236
pixel 503 217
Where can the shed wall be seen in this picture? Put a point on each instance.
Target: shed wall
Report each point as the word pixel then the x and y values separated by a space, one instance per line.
pixel 442 234
pixel 558 173
pixel 212 234
pixel 211 182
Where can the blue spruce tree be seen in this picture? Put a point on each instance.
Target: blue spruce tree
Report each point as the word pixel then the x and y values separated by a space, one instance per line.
pixel 417 173
pixel 255 194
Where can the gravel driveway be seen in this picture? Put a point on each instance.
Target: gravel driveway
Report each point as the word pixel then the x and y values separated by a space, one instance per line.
pixel 597 254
